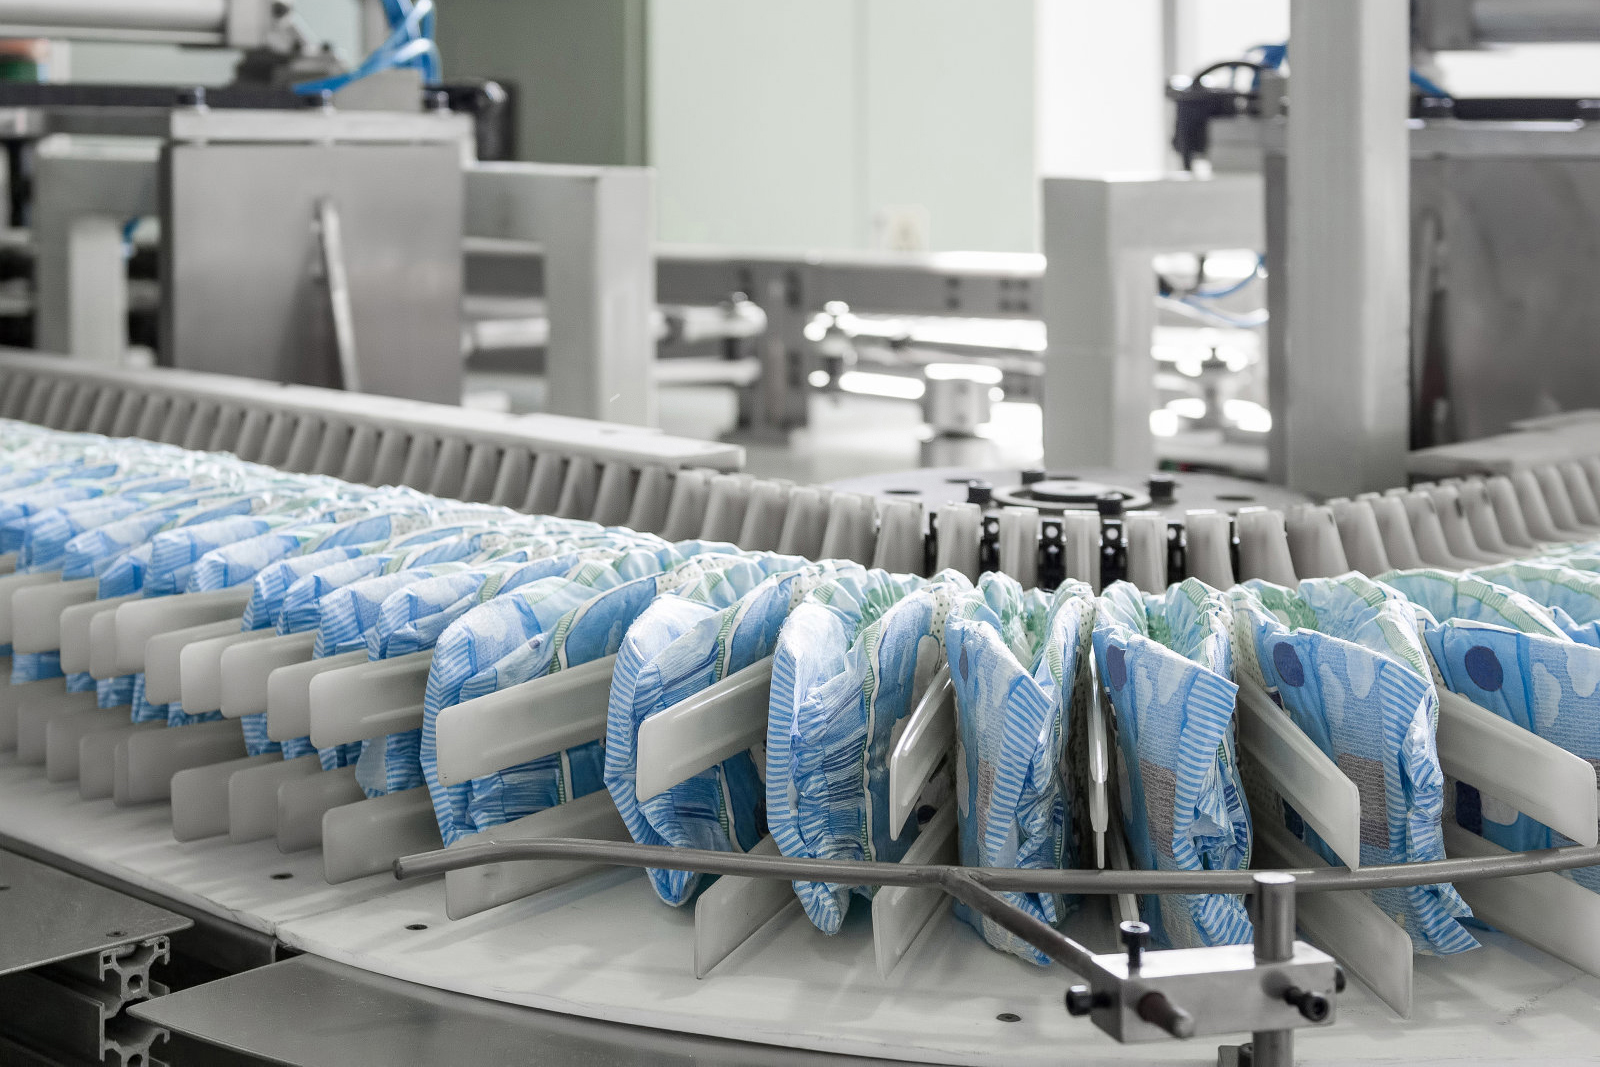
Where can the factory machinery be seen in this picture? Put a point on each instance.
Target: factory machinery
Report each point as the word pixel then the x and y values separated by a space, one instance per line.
pixel 166 896
pixel 181 845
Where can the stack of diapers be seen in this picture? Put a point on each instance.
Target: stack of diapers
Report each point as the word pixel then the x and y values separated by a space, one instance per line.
pixel 537 629
pixel 1345 661
pixel 1570 595
pixel 1167 662
pixel 851 663
pixel 411 619
pixel 1015 664
pixel 677 647
pixel 1504 652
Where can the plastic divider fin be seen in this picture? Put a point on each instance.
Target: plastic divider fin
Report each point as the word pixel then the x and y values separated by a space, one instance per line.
pixel 65 732
pixel 36 612
pixel 1301 772
pixel 9 585
pixel 97 757
pixel 289 693
pixel 302 802
pixel 1539 779
pixel 200 796
pixel 368 836
pixel 253 795
pixel 1549 912
pixel 200 674
pixel 77 645
pixel 367 700
pixel 1097 780
pixel 537 718
pixel 477 889
pixel 720 721
pixel 899 913
pixel 11 699
pixel 732 909
pixel 929 733
pixel 139 620
pixel 146 761
pixel 34 713
pixel 163 659
pixel 246 668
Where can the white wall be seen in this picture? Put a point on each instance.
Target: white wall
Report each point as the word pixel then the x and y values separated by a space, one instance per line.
pixel 800 123
pixel 1211 30
pixel 1101 108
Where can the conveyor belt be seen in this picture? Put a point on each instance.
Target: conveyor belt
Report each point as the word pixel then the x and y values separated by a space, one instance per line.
pixel 902 978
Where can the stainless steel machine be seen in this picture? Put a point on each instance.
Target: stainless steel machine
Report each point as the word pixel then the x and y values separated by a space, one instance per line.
pixel 250 859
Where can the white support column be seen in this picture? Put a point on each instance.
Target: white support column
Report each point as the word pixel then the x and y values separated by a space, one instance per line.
pixel 1100 239
pixel 1345 410
pixel 597 225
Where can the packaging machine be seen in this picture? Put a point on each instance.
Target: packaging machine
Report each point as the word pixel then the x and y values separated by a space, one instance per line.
pixel 267 856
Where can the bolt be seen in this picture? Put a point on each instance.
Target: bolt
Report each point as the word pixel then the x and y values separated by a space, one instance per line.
pixel 979 492
pixel 1314 1006
pixel 1033 474
pixel 1339 980
pixel 1135 936
pixel 1081 1000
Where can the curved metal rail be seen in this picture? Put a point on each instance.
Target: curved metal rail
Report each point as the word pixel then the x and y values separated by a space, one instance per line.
pixel 994 879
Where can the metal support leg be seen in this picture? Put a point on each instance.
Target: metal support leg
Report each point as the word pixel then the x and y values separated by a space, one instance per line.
pixel 1274 933
pixel 1345 372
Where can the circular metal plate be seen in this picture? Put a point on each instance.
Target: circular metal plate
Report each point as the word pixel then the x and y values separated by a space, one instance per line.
pixel 1075 489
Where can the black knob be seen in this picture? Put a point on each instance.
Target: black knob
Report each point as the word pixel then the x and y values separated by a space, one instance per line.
pixel 1081 1000
pixel 1314 1006
pixel 1135 936
pixel 1110 506
pixel 979 492
pixel 1034 474
pixel 1163 488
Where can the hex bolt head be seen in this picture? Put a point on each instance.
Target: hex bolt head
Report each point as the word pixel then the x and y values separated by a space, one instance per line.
pixel 1081 1000
pixel 1135 936
pixel 1314 1006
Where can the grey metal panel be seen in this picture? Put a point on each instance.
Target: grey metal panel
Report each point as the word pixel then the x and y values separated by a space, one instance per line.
pixel 241 290
pixel 311 1011
pixel 47 915
pixel 1518 326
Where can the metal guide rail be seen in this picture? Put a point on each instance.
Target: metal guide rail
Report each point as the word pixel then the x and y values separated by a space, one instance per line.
pixel 503 887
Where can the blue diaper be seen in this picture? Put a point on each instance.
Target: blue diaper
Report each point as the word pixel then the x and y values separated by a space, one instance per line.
pixel 1167 663
pixel 1015 664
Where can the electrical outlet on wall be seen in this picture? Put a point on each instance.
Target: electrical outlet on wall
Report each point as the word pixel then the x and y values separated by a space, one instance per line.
pixel 901 228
